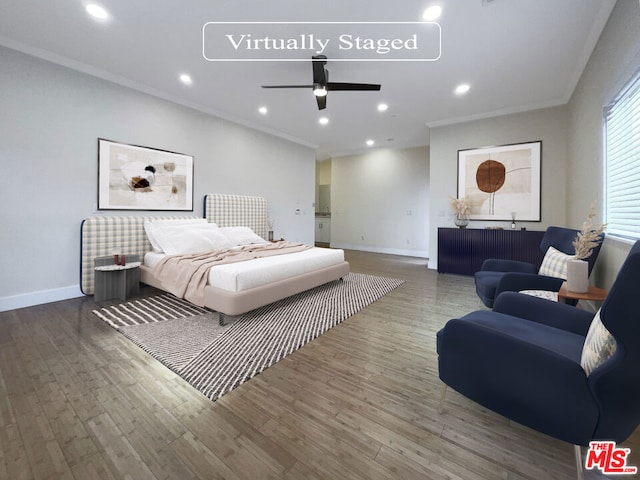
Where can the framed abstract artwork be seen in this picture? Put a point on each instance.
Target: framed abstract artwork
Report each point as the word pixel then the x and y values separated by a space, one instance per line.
pixel 501 182
pixel 131 177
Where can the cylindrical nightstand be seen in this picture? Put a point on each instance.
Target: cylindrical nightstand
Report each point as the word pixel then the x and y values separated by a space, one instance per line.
pixel 116 281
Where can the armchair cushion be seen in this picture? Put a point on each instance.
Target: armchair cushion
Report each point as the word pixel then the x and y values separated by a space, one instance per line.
pixel 553 314
pixel 490 284
pixel 599 345
pixel 502 265
pixel 554 264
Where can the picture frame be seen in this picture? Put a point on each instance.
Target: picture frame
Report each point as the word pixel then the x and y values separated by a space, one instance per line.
pixel 502 182
pixel 132 177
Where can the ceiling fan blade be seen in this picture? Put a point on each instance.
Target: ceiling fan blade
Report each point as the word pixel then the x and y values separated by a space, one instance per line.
pixel 319 72
pixel 321 82
pixel 287 86
pixel 333 86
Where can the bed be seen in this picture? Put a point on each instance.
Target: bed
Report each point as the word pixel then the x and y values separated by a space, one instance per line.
pixel 232 289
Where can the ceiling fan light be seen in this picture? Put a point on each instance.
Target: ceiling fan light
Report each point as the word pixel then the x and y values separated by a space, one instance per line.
pixel 319 90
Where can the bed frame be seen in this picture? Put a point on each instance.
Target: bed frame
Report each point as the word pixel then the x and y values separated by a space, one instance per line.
pixel 102 235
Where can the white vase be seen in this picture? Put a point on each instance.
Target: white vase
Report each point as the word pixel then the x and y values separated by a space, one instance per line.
pixel 577 276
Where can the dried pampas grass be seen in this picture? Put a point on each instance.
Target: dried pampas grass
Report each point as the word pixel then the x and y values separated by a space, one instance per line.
pixel 590 236
pixel 460 205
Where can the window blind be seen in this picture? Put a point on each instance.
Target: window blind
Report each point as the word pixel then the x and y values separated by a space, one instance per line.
pixel 622 162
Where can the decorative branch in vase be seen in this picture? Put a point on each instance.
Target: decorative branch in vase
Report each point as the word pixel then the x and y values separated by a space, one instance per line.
pixel 461 209
pixel 588 238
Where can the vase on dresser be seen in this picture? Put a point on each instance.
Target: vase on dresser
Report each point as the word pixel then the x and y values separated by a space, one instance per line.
pixel 461 220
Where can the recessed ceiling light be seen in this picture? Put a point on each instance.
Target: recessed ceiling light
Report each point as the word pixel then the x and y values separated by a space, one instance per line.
pixel 96 11
pixel 323 120
pixel 462 89
pixel 263 110
pixel 186 79
pixel 432 13
pixel 370 143
pixel 382 107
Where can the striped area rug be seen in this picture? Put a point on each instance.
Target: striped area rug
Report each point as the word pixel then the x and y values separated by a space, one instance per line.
pixel 215 359
pixel 148 310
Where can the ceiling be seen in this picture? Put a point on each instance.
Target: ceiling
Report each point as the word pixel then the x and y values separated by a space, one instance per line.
pixel 516 55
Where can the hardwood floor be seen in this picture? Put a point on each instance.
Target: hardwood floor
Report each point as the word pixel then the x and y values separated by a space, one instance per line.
pixel 80 401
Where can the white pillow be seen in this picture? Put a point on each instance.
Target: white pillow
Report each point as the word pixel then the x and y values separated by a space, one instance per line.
pixel 241 235
pixel 546 294
pixel 150 227
pixel 554 263
pixel 599 345
pixel 182 239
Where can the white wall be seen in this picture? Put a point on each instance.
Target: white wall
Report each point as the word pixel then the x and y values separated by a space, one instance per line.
pixel 612 64
pixel 380 201
pixel 548 125
pixel 50 120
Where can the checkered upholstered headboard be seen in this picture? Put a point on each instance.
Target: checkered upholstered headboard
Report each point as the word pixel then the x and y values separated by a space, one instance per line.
pixel 100 236
pixel 237 211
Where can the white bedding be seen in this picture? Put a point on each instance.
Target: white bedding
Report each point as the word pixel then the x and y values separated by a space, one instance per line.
pixel 241 276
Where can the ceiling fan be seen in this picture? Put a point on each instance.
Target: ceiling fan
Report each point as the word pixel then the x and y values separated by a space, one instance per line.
pixel 321 84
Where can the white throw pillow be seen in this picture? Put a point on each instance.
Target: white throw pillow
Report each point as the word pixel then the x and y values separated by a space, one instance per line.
pixel 183 239
pixel 151 226
pixel 546 294
pixel 599 345
pixel 554 263
pixel 241 235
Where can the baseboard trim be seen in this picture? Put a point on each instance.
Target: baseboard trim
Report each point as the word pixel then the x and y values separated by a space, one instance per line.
pixel 57 294
pixel 38 298
pixel 389 251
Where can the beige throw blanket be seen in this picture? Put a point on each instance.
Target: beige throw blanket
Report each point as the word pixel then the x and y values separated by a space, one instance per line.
pixel 185 276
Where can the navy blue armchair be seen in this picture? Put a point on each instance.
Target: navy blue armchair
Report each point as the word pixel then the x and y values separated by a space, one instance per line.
pixel 497 276
pixel 523 360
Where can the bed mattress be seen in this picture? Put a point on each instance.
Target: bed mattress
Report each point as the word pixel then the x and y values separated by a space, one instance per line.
pixel 241 276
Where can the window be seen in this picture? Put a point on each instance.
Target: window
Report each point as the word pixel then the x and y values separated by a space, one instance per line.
pixel 622 162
